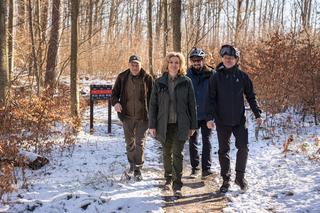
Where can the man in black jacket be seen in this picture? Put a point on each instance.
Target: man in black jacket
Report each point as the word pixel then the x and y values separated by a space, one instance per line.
pixel 130 98
pixel 225 110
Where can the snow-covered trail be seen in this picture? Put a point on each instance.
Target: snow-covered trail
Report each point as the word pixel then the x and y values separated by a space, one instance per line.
pixel 89 178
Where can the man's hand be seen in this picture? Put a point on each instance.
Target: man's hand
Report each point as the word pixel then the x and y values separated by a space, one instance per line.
pixel 210 124
pixel 118 107
pixel 153 132
pixel 191 132
pixel 259 121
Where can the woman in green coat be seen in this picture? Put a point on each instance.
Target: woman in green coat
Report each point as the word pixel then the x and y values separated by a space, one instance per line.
pixel 172 117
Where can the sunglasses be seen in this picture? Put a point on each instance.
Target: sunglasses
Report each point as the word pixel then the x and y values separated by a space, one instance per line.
pixel 196 60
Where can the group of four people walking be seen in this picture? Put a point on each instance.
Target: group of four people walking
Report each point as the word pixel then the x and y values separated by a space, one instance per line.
pixel 179 105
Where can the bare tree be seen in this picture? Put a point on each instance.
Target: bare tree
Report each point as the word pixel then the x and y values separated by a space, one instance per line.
pixel 112 16
pixel 150 40
pixel 52 54
pixel 176 25
pixel 165 27
pixel 74 87
pixel 34 52
pixel 240 21
pixel 10 39
pixel 22 15
pixel 3 54
pixel 305 8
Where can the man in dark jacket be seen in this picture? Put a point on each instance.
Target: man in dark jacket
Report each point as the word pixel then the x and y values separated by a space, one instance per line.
pixel 130 98
pixel 225 109
pixel 200 74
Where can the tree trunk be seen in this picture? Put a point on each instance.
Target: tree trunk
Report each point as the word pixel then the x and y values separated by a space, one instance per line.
pixel 158 24
pixel 74 87
pixel 165 27
pixel 90 35
pixel 34 52
pixel 238 22
pixel 42 35
pixel 52 53
pixel 4 81
pixel 176 25
pixel 111 22
pixel 21 17
pixel 150 41
pixel 10 39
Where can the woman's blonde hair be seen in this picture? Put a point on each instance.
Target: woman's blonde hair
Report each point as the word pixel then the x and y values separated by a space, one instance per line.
pixel 182 68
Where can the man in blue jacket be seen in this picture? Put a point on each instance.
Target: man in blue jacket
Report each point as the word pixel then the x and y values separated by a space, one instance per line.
pixel 200 74
pixel 225 110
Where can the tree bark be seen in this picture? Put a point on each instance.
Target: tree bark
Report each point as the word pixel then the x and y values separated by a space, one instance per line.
pixel 21 17
pixel 10 39
pixel 74 87
pixel 52 54
pixel 150 40
pixel 4 78
pixel 176 25
pixel 34 52
pixel 165 27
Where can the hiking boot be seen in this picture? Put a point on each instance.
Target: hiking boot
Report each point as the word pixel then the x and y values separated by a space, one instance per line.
pixel 167 184
pixel 194 173
pixel 225 186
pixel 131 169
pixel 137 175
pixel 206 173
pixel 177 193
pixel 242 183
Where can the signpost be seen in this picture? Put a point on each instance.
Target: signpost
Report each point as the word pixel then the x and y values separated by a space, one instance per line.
pixel 100 92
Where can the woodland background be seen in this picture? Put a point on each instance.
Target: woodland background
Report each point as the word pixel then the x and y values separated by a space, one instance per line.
pixel 43 40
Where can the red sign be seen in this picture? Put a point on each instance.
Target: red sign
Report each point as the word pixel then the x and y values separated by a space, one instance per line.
pixel 101 92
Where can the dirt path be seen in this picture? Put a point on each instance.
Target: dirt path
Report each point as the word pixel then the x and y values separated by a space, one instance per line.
pixel 199 195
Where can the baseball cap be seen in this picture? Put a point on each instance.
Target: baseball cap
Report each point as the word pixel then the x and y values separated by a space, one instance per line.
pixel 135 58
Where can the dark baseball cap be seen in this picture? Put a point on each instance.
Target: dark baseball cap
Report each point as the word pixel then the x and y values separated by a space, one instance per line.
pixel 135 58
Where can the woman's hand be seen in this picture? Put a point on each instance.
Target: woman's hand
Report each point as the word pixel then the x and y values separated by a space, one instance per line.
pixel 153 132
pixel 210 124
pixel 191 132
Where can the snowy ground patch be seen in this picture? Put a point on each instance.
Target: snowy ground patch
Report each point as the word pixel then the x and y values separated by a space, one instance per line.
pixel 89 177
pixel 278 183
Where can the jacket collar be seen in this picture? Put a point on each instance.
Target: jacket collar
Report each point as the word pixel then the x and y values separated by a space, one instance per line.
pixel 222 68
pixel 141 74
pixel 206 71
pixel 164 79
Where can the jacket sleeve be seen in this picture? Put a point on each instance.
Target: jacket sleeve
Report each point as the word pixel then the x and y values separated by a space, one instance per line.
pixel 116 90
pixel 211 96
pixel 150 83
pixel 153 107
pixel 251 97
pixel 192 106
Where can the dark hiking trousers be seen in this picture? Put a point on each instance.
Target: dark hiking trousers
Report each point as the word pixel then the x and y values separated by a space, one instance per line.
pixel 135 136
pixel 206 147
pixel 173 157
pixel 240 133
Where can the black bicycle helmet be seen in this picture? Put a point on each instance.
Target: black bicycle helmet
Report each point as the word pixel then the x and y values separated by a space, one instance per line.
pixel 197 52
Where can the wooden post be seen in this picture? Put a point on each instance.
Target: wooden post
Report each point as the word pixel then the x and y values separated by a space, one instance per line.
pixel 109 115
pixel 91 113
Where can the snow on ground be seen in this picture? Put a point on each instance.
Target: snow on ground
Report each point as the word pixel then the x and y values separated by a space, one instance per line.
pixel 90 177
pixel 278 183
